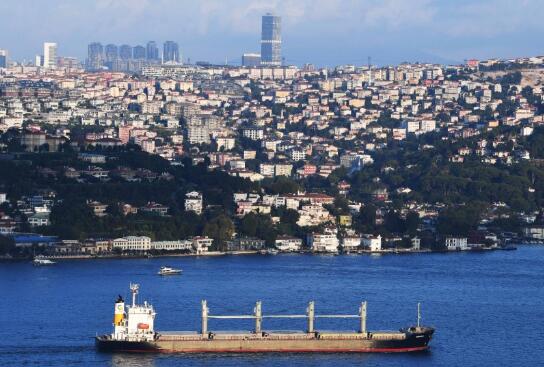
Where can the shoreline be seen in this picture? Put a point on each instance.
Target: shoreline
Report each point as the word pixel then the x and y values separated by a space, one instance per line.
pixel 249 252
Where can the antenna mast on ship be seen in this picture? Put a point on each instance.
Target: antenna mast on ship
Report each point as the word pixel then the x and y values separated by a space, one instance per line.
pixel 134 290
pixel 418 314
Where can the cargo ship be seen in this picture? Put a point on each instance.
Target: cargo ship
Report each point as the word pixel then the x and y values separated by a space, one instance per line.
pixel 133 332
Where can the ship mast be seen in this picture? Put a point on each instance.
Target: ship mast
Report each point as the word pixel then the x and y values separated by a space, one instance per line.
pixel 134 290
pixel 418 314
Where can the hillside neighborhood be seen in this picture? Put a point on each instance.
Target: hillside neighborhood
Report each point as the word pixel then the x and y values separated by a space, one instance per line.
pixel 194 159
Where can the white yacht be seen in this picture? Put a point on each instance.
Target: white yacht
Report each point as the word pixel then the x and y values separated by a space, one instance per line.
pixel 167 270
pixel 40 260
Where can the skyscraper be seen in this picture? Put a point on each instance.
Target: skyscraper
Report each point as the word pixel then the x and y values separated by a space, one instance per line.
pixel 125 52
pixel 49 54
pixel 170 52
pixel 138 52
pixel 271 40
pixel 152 51
pixel 95 56
pixel 3 59
pixel 111 53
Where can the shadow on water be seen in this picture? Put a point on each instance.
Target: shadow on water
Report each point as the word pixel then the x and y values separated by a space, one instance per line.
pixel 268 359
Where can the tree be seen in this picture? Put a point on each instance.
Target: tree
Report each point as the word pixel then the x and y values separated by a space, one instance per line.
pixel 412 223
pixel 459 220
pixel 220 229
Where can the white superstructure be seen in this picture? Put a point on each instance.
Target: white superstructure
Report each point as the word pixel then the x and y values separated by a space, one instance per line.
pixel 134 322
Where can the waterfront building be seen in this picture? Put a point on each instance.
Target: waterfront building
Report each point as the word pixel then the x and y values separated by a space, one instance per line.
pixel 288 244
pixel 201 244
pixel 181 245
pixel 49 55
pixel 251 59
pixel 373 243
pixel 245 244
pixel 326 242
pixel 534 232
pixel 271 40
pixel 456 243
pixel 132 243
pixel 351 243
pixel 170 52
pixel 152 51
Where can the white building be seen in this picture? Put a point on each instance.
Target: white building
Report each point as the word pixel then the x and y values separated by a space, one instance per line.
pixel 3 197
pixel 132 243
pixel 288 244
pixel 253 133
pixel 38 220
pixel 373 243
pixel 202 244
pixel 534 232
pixel 297 154
pixel 183 245
pixel 193 201
pixel 456 243
pixel 49 55
pixel 323 242
pixel 351 243
pixel 198 135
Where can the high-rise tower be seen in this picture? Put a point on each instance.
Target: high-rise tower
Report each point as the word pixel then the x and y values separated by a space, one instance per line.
pixel 49 55
pixel 170 52
pixel 95 56
pixel 271 40
pixel 152 51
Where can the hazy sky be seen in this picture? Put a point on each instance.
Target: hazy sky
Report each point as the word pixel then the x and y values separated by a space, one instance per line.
pixel 324 32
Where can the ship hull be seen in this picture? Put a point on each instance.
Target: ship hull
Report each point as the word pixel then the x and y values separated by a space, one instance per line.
pixel 250 343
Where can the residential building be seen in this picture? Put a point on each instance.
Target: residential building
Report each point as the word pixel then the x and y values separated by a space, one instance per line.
pixel 193 202
pixel 323 242
pixel 251 60
pixel 372 243
pixel 288 244
pixel 456 243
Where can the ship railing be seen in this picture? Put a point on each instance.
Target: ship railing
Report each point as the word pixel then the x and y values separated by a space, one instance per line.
pixel 310 316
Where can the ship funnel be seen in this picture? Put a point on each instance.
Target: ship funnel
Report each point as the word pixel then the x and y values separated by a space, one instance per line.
pixel 119 312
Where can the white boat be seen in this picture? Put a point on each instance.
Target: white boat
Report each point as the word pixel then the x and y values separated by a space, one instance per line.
pixel 272 251
pixel 167 270
pixel 40 261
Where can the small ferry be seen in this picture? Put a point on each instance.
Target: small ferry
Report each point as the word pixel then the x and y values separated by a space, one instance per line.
pixel 134 332
pixel 167 270
pixel 42 261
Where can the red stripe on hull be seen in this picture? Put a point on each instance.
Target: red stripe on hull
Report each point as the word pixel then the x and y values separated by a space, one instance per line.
pixel 365 350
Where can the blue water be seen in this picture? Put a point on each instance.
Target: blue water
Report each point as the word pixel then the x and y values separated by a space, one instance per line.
pixel 488 308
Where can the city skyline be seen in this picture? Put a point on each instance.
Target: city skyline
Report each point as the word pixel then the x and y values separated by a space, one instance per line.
pixel 389 31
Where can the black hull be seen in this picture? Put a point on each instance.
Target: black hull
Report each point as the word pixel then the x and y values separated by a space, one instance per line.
pixel 104 344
